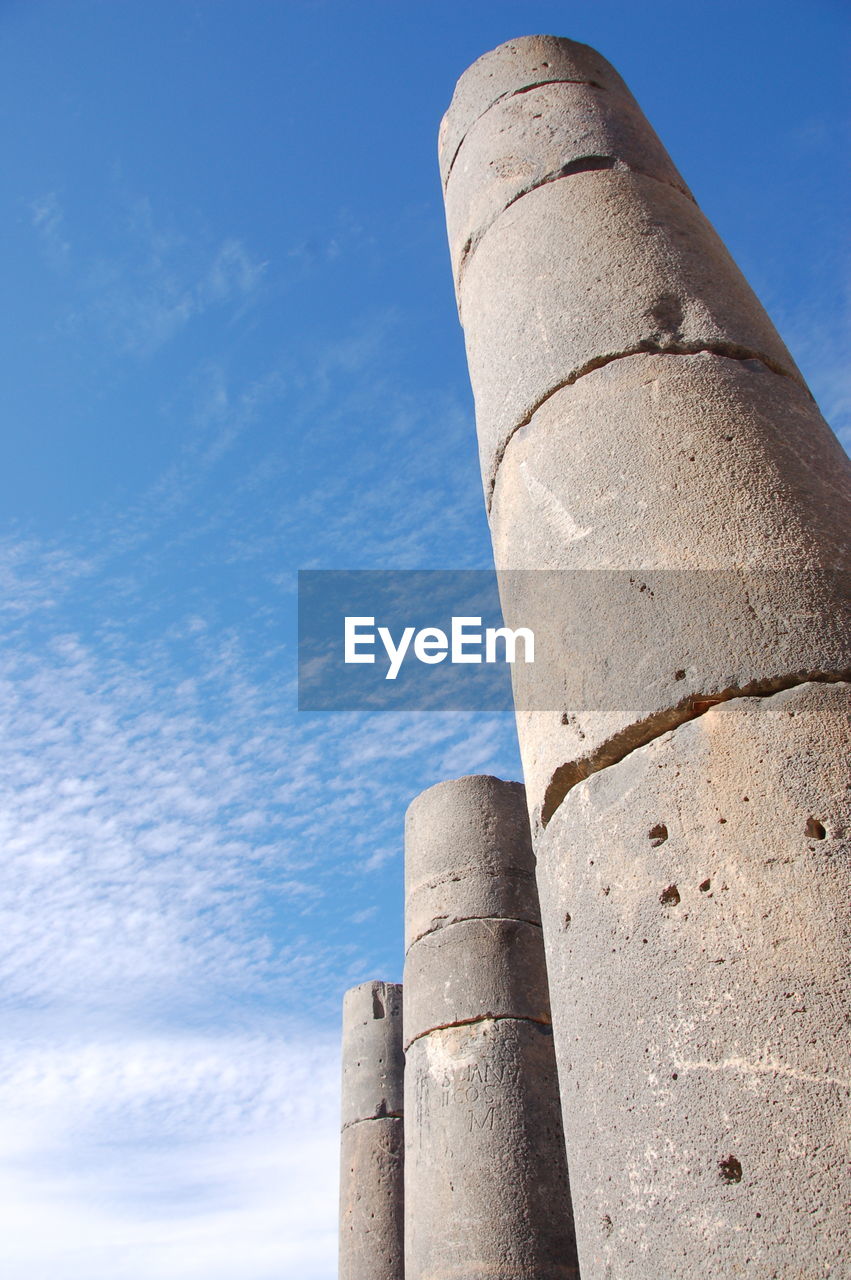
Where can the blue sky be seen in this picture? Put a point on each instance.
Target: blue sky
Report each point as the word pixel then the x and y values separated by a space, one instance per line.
pixel 231 351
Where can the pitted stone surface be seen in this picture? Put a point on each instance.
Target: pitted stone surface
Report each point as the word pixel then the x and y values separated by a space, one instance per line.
pixel 719 474
pixel 512 68
pixel 468 854
pixel 479 1162
pixel 695 889
pixel 696 912
pixel 474 969
pixel 530 138
pixel 373 1060
pixel 588 269
pixel 371 1201
pixel 485 1173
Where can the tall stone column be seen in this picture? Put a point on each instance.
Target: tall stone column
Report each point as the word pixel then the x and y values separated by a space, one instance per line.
pixel 650 450
pixel 486 1185
pixel 372 1143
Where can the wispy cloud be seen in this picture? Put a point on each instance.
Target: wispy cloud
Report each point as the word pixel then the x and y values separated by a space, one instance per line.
pixel 48 220
pixel 169 1159
pixel 152 282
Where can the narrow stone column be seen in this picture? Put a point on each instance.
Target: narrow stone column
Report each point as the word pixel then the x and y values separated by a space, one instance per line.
pixel 372 1145
pixel 486 1183
pixel 647 440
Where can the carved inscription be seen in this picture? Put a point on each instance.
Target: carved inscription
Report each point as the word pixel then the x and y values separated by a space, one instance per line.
pixel 479 1088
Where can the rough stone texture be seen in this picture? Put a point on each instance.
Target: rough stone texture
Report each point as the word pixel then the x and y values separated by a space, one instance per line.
pixel 467 853
pixel 588 268
pixel 663 461
pixel 475 969
pixel 694 890
pixel 720 474
pixel 512 68
pixel 371 1190
pixel 372 1144
pixel 373 1059
pixel 485 1174
pixel 696 912
pixel 531 138
pixel 479 1164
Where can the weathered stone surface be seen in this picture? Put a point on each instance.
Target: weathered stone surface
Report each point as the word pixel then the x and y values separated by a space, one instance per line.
pixel 492 1201
pixel 694 890
pixel 512 68
pixel 474 969
pixel 372 1143
pixel 696 913
pixel 486 1179
pixel 373 1060
pixel 589 268
pixel 664 461
pixel 681 504
pixel 468 854
pixel 371 1201
pixel 541 135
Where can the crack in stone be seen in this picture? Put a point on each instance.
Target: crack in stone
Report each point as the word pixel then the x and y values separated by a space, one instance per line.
pixel 471 872
pixel 390 1115
pixel 725 350
pixel 592 163
pixel 444 922
pixel 635 736
pixel 481 1017
pixel 510 93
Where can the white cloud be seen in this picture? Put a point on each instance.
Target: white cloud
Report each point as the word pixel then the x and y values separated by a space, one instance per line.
pixel 170 1159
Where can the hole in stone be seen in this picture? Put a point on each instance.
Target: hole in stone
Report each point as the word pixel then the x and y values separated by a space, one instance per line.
pixel 814 829
pixel 658 834
pixel 730 1169
pixel 607 1224
pixel 680 675
pixel 704 886
pixel 674 1075
pixel 669 897
pixel 567 919
pixel 377 1005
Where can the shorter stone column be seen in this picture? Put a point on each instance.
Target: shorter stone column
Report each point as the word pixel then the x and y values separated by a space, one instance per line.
pixel 485 1170
pixel 372 1145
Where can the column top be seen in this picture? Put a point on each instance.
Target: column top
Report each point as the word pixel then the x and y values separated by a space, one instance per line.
pixel 468 855
pixel 512 68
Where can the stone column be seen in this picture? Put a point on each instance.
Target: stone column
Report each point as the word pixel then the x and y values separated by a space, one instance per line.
pixel 372 1145
pixel 486 1183
pixel 648 443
